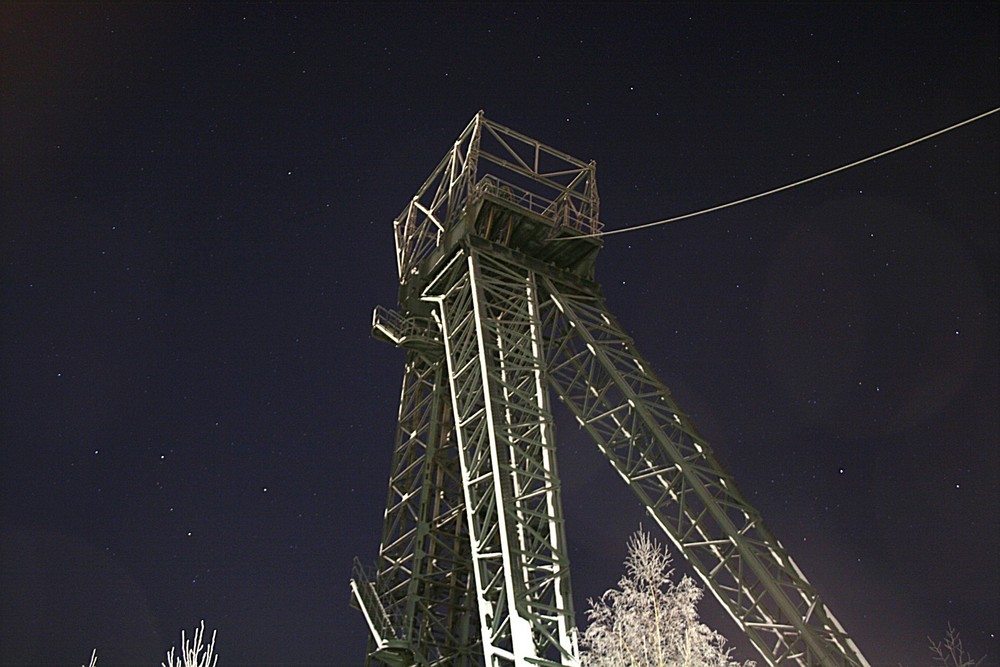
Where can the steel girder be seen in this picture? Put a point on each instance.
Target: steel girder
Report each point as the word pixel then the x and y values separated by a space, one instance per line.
pixel 595 370
pixel 420 604
pixel 488 314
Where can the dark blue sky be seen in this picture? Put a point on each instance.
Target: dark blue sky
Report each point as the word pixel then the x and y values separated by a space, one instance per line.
pixel 195 218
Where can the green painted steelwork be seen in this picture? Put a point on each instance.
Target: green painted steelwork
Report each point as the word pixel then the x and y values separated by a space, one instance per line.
pixel 498 306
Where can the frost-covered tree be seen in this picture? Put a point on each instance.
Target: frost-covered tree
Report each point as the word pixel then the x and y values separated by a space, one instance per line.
pixel 193 653
pixel 949 652
pixel 651 620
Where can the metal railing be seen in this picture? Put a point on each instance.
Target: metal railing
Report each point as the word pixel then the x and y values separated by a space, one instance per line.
pixel 560 188
pixel 367 598
pixel 403 330
pixel 564 211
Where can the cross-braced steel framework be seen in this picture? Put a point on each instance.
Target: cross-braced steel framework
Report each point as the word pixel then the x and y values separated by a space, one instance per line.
pixel 498 310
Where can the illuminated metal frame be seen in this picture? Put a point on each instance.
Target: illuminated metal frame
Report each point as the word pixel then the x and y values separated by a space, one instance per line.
pixel 498 305
pixel 523 171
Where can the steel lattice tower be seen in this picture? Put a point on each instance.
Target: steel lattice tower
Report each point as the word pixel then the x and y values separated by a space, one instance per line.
pixel 498 307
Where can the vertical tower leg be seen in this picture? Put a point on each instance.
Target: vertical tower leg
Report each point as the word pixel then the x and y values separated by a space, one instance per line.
pixel 488 314
pixel 423 581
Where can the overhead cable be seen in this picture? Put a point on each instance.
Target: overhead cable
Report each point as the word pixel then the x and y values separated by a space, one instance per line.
pixel 759 195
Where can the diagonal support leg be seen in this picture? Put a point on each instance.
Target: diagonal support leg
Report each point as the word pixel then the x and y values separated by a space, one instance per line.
pixel 595 370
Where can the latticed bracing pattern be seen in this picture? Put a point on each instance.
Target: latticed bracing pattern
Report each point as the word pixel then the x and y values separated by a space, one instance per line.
pixel 423 583
pixel 595 369
pixel 533 176
pixel 489 318
pixel 497 308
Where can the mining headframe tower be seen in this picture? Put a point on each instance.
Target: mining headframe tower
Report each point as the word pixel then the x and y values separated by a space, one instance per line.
pixel 498 312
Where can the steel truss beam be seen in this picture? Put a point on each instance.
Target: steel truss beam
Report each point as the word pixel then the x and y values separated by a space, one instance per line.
pixel 423 589
pixel 595 370
pixel 488 315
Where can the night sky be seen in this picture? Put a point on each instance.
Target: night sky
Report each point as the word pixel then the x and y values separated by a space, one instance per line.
pixel 196 215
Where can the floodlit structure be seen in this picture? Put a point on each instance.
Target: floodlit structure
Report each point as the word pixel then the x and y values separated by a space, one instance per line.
pixel 499 311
